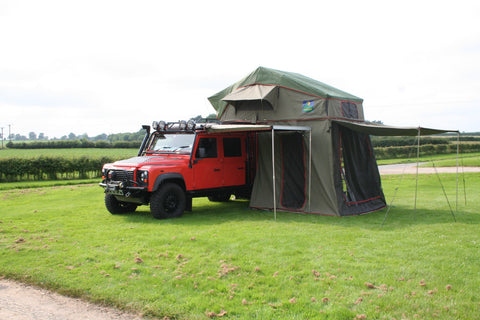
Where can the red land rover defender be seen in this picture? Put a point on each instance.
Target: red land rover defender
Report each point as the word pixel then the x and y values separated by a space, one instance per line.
pixel 179 161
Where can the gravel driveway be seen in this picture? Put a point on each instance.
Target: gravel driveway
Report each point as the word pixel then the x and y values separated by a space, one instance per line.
pixel 22 302
pixel 411 168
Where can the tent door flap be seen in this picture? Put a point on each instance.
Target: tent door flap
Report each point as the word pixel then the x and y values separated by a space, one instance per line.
pixel 293 195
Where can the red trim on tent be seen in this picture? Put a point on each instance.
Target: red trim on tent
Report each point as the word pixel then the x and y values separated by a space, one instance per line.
pixel 319 213
pixel 309 94
pixel 362 201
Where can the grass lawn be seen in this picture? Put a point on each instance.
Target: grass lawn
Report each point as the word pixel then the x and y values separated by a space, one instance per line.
pixel 441 160
pixel 226 261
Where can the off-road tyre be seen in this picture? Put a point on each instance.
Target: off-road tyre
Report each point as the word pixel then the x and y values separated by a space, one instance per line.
pixel 169 201
pixel 117 207
pixel 220 197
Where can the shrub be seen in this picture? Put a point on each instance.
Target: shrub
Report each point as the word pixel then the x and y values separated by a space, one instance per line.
pixel 51 168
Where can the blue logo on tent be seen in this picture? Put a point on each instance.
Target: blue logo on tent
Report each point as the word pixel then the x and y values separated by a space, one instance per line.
pixel 307 106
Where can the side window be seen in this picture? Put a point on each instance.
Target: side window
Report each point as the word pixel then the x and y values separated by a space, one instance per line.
pixel 349 110
pixel 207 148
pixel 232 147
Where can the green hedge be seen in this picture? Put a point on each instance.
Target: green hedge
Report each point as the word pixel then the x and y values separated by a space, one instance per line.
pixel 70 144
pixel 51 168
pixel 406 141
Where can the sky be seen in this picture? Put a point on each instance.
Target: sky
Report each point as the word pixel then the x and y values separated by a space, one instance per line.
pixel 110 66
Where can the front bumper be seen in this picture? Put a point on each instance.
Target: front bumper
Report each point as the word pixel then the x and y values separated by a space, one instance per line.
pixel 118 188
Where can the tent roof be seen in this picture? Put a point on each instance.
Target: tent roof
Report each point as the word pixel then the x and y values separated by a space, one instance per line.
pixel 383 130
pixel 289 80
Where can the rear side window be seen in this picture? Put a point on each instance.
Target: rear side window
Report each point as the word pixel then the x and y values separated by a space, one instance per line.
pixel 232 147
pixel 349 110
pixel 207 148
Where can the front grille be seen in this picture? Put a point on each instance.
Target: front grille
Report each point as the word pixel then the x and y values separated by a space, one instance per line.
pixel 122 175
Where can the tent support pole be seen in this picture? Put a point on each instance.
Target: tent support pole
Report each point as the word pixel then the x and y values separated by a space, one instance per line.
pixel 273 175
pixel 458 151
pixel 416 176
pixel 310 172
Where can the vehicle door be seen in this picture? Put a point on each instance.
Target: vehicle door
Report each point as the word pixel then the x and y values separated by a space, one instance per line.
pixel 234 160
pixel 206 165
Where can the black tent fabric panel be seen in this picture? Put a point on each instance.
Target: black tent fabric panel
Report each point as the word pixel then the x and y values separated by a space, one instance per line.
pixel 293 171
pixel 357 179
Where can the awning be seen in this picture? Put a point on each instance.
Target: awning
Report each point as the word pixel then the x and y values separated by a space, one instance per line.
pixel 383 130
pixel 272 128
pixel 252 127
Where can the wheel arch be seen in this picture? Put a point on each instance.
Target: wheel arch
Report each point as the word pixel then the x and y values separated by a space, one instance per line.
pixel 169 177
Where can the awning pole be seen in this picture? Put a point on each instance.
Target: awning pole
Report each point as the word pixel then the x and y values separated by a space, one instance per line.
pixel 273 175
pixel 310 172
pixel 458 151
pixel 416 178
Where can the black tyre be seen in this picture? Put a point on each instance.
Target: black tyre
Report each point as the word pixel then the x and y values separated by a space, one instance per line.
pixel 116 207
pixel 219 197
pixel 168 201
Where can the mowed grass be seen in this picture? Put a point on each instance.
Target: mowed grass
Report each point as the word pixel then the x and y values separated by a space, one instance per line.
pixel 440 160
pixel 466 161
pixel 227 261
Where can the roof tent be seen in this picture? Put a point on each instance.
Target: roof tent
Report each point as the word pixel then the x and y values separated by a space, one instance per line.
pixel 329 169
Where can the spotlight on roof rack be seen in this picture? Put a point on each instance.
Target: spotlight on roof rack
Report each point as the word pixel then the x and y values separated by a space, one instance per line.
pixel 182 124
pixel 158 125
pixel 162 126
pixel 191 125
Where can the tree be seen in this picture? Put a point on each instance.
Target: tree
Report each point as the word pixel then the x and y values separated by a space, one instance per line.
pixel 72 136
pixel 32 136
pixel 212 116
pixel 102 136
pixel 19 137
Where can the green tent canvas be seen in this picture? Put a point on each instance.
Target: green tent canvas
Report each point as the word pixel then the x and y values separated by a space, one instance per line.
pixel 329 169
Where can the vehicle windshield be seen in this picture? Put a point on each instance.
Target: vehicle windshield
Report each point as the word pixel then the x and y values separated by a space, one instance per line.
pixel 173 143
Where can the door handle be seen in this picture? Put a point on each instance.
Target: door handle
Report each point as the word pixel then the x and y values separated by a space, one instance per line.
pixel 216 170
pixel 240 168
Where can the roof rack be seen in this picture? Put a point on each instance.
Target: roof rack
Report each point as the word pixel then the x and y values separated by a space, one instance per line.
pixel 182 126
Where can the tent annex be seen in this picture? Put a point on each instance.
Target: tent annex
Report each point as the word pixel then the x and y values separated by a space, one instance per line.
pixel 322 161
pixel 342 178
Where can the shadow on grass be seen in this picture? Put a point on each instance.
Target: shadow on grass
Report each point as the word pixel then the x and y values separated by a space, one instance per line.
pixel 398 217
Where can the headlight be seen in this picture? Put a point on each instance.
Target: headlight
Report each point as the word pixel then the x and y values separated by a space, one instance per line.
pixel 111 175
pixel 143 177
